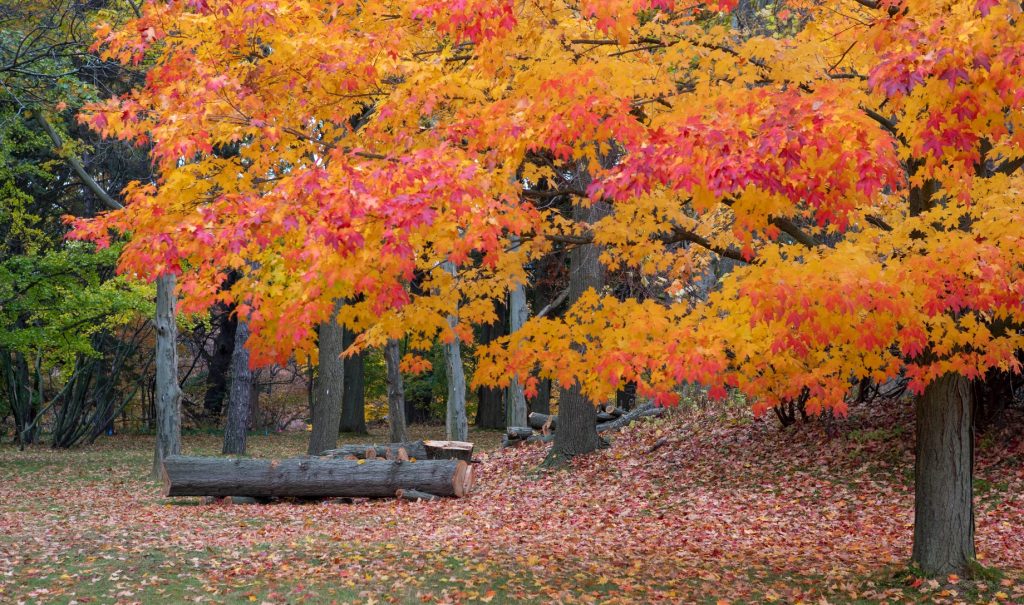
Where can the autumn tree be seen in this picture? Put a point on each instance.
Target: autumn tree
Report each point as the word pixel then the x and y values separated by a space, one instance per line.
pixel 861 164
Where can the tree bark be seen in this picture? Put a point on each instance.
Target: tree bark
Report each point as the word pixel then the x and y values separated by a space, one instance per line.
pixel 330 383
pixel 168 393
pixel 413 449
pixel 541 403
pixel 491 401
pixel 944 473
pixel 515 408
pixel 353 404
pixel 577 415
pixel 313 477
pixel 240 404
pixel 626 397
pixel 396 394
pixel 536 421
pixel 220 364
pixel 455 424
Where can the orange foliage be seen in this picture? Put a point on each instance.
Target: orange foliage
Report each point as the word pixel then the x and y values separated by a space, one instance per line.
pixel 866 164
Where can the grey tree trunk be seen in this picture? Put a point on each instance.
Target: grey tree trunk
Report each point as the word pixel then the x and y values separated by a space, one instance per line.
pixel 515 408
pixel 313 477
pixel 353 404
pixel 943 477
pixel 330 384
pixel 240 398
pixel 168 394
pixel 456 426
pixel 577 415
pixel 396 394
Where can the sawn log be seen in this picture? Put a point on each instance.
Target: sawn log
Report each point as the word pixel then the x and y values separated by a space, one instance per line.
pixel 313 477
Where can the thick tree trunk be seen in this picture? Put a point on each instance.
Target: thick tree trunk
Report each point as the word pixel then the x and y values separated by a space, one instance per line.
pixel 455 423
pixel 330 383
pixel 240 400
pixel 577 415
pixel 396 394
pixel 353 405
pixel 944 473
pixel 220 364
pixel 168 394
pixel 313 477
pixel 515 408
pixel 490 410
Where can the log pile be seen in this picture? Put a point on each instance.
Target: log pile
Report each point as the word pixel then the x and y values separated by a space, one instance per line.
pixel 315 477
pixel 609 418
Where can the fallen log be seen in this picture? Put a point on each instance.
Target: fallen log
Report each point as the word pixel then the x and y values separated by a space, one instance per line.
pixel 638 412
pixel 414 449
pixel 518 432
pixel 449 450
pixel 420 450
pixel 413 495
pixel 537 421
pixel 517 436
pixel 313 477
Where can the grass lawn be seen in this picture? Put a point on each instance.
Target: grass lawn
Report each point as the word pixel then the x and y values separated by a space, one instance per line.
pixel 731 509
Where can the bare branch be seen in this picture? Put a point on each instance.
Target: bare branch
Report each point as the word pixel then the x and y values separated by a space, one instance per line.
pixel 76 165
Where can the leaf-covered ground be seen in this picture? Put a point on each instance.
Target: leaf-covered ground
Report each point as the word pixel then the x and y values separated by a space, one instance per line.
pixel 727 510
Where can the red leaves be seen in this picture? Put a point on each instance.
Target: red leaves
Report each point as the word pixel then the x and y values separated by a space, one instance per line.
pixel 728 508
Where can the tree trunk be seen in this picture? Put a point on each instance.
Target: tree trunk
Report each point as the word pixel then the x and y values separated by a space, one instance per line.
pixel 944 473
pixel 515 409
pixel 396 395
pixel 220 363
pixel 456 427
pixel 330 382
pixel 240 404
pixel 313 477
pixel 577 415
pixel 541 404
pixel 626 397
pixel 491 401
pixel 20 396
pixel 353 404
pixel 168 394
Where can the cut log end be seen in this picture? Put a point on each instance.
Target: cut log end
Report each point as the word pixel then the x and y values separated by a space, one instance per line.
pixel 448 450
pixel 166 479
pixel 462 480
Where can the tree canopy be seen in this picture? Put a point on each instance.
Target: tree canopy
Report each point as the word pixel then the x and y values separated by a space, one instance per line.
pixel 861 161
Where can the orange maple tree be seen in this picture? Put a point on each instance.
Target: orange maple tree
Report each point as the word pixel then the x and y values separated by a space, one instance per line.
pixel 859 159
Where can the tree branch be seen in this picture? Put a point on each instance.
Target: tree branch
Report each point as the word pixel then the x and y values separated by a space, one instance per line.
pixel 551 306
pixel 790 228
pixel 76 165
pixel 1010 166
